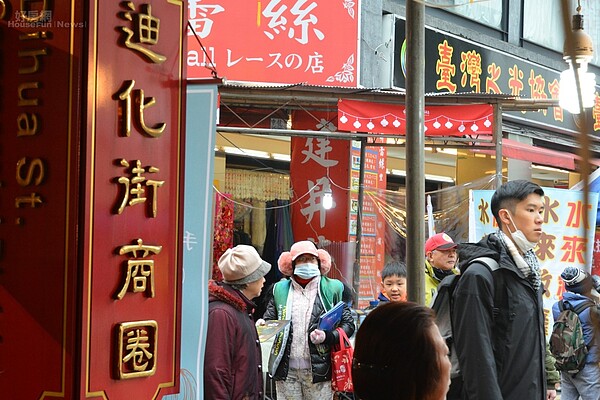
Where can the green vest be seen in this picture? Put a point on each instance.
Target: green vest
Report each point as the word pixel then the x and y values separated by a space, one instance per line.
pixel 330 293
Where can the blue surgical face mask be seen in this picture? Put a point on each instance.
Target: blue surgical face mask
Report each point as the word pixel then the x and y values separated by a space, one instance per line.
pixel 307 270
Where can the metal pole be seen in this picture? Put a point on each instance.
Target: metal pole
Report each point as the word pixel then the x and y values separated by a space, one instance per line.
pixel 415 153
pixel 498 140
pixel 359 213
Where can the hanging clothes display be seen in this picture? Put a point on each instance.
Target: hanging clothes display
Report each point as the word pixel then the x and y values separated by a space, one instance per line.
pixel 278 239
pixel 223 231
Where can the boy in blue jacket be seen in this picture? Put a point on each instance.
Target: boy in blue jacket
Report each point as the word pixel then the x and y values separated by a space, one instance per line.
pixel 393 282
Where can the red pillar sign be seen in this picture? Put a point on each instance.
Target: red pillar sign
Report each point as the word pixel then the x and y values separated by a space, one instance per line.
pixel 134 179
pixel 39 185
pixel 91 187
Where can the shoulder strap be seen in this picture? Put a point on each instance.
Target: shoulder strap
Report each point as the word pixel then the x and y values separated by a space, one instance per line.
pixel 487 261
pixel 498 280
pixel 565 305
pixel 582 307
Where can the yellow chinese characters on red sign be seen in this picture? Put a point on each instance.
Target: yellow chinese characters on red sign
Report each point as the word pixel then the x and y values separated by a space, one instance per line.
pixel 137 205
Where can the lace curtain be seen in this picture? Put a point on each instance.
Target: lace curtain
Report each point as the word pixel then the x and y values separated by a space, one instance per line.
pixel 262 186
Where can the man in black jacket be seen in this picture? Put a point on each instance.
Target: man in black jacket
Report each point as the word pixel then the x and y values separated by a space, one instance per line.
pixel 501 347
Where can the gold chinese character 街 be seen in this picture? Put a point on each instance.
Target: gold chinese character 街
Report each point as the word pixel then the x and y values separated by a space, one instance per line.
pixel 146 31
pixel 134 188
pixel 142 103
pixel 140 270
pixel 137 347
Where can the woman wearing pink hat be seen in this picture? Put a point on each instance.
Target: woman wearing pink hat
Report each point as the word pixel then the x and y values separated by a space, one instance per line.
pixel 300 360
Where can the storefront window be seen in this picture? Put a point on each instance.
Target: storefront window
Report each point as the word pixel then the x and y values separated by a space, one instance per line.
pixel 485 12
pixel 542 23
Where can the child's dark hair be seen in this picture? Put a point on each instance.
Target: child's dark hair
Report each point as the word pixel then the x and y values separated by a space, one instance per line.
pixel 392 268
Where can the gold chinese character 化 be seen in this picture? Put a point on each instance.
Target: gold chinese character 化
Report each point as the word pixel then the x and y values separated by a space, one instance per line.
pixel 142 103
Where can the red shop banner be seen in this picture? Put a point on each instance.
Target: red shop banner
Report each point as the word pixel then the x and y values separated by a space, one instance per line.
pixel 134 178
pixel 283 41
pixel 454 120
pixel 39 137
pixel 318 165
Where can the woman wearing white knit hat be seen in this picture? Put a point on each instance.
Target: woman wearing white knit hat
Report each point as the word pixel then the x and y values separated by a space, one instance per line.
pixel 300 361
pixel 233 358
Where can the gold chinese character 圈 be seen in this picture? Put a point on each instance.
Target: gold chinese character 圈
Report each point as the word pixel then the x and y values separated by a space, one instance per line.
pixel 137 348
pixel 140 270
pixel 134 192
pixel 126 96
pixel 146 31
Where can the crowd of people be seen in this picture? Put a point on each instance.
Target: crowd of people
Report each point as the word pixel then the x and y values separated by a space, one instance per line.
pixel 497 321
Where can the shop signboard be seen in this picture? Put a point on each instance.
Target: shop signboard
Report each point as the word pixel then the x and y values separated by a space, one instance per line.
pixel 454 65
pixel 373 225
pixel 133 233
pixel 282 41
pixel 39 185
pixel 319 165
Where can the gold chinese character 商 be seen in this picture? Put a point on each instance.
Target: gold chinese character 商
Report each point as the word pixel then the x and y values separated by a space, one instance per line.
pixel 140 270
pixel 146 31
pixel 137 347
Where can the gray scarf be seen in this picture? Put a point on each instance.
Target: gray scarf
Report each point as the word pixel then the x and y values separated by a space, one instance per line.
pixel 527 263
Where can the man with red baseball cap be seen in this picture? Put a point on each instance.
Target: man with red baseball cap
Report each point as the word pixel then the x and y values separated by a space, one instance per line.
pixel 440 260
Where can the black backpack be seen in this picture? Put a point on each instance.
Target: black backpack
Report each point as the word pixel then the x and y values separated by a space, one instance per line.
pixel 443 305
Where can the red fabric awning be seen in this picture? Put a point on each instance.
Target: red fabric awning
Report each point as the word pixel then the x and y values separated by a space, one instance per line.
pixel 450 120
pixel 537 155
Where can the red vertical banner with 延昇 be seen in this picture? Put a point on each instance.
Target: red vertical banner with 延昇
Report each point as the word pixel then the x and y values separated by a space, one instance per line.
pixel 134 186
pixel 319 165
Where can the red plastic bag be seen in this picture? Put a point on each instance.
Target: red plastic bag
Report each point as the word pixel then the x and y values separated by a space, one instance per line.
pixel 341 363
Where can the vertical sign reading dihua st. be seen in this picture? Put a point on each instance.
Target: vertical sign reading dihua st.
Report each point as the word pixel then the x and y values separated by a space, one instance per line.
pixel 39 183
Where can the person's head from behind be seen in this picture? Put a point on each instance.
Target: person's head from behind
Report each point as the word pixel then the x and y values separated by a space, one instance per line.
pixel 399 354
pixel 244 270
pixel 577 281
pixel 440 251
pixel 518 208
pixel 393 281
